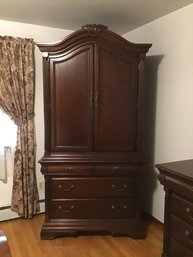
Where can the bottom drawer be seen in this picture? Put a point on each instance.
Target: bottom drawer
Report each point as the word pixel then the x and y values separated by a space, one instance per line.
pixel 92 209
pixel 178 250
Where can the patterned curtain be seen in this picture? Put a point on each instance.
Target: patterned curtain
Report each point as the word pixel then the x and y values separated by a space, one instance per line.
pixel 17 100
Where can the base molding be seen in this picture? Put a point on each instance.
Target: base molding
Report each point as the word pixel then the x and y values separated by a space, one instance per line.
pixel 7 214
pixel 132 228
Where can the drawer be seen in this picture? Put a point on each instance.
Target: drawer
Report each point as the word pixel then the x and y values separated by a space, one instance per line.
pixel 178 250
pixel 70 169
pixel 92 187
pixel 182 188
pixel 92 209
pixel 182 232
pixel 182 208
pixel 116 169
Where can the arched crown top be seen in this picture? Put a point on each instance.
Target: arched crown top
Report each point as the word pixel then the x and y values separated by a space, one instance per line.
pixel 92 33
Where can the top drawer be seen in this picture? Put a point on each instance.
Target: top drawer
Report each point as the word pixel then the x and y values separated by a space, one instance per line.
pixel 70 168
pixel 182 208
pixel 181 188
pixel 116 169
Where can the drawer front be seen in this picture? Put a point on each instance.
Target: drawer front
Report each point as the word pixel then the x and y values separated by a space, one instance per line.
pixel 183 232
pixel 92 209
pixel 116 169
pixel 180 187
pixel 178 250
pixel 92 187
pixel 182 208
pixel 70 169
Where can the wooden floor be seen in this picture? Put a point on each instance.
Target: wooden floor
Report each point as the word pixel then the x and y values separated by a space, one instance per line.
pixel 24 241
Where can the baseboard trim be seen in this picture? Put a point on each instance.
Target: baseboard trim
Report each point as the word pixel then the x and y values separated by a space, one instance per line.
pixel 7 214
pixel 4 207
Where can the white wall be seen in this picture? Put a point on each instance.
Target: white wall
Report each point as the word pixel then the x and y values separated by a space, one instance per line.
pixel 169 120
pixel 39 34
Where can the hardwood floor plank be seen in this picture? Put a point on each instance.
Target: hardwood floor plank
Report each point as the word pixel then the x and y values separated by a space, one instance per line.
pixel 24 241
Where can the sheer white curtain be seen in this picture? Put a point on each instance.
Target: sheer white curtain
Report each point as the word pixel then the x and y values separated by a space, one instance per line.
pixel 8 135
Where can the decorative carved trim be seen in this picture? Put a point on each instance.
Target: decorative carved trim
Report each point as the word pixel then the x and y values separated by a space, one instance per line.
pixel 161 178
pixel 46 153
pixel 94 27
pixel 47 178
pixel 45 54
pixel 141 62
pixel 44 169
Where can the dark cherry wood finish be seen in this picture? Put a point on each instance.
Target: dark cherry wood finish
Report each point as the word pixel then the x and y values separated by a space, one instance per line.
pixel 93 161
pixel 177 178
pixel 4 247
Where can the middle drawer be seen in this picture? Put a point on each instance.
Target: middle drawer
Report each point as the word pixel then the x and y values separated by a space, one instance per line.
pixel 182 208
pixel 182 232
pixel 92 187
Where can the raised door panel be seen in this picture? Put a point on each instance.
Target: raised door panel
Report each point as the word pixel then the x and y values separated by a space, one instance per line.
pixel 115 101
pixel 71 80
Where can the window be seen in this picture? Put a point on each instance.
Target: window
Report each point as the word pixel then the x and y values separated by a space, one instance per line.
pixel 8 135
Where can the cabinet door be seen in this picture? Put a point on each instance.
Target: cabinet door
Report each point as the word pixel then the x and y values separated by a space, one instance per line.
pixel 71 85
pixel 115 100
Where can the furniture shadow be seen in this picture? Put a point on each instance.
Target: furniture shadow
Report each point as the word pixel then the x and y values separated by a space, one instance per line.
pixel 149 180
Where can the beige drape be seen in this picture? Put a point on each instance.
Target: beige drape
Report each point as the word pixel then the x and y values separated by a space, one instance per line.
pixel 17 100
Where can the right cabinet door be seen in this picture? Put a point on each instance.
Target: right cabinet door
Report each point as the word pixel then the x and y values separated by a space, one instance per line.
pixel 116 90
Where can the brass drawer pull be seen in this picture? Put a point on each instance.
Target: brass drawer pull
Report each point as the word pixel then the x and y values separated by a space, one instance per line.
pixel 96 99
pixel 60 207
pixel 188 236
pixel 113 207
pixel 91 98
pixel 119 189
pixel 189 188
pixel 188 211
pixel 115 168
pixel 66 189
pixel 70 168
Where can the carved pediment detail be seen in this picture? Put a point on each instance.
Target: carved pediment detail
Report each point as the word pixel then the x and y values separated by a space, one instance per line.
pixel 94 27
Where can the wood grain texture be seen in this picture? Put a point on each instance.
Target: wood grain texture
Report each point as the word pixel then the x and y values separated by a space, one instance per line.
pixel 24 241
pixel 4 247
pixel 93 104
pixel 177 179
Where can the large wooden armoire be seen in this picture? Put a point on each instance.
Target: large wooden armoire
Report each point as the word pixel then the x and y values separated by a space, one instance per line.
pixel 93 107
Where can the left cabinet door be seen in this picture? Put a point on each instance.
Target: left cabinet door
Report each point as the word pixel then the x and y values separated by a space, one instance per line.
pixel 71 97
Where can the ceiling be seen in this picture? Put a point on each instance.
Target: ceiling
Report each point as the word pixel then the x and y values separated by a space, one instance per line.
pixel 120 16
